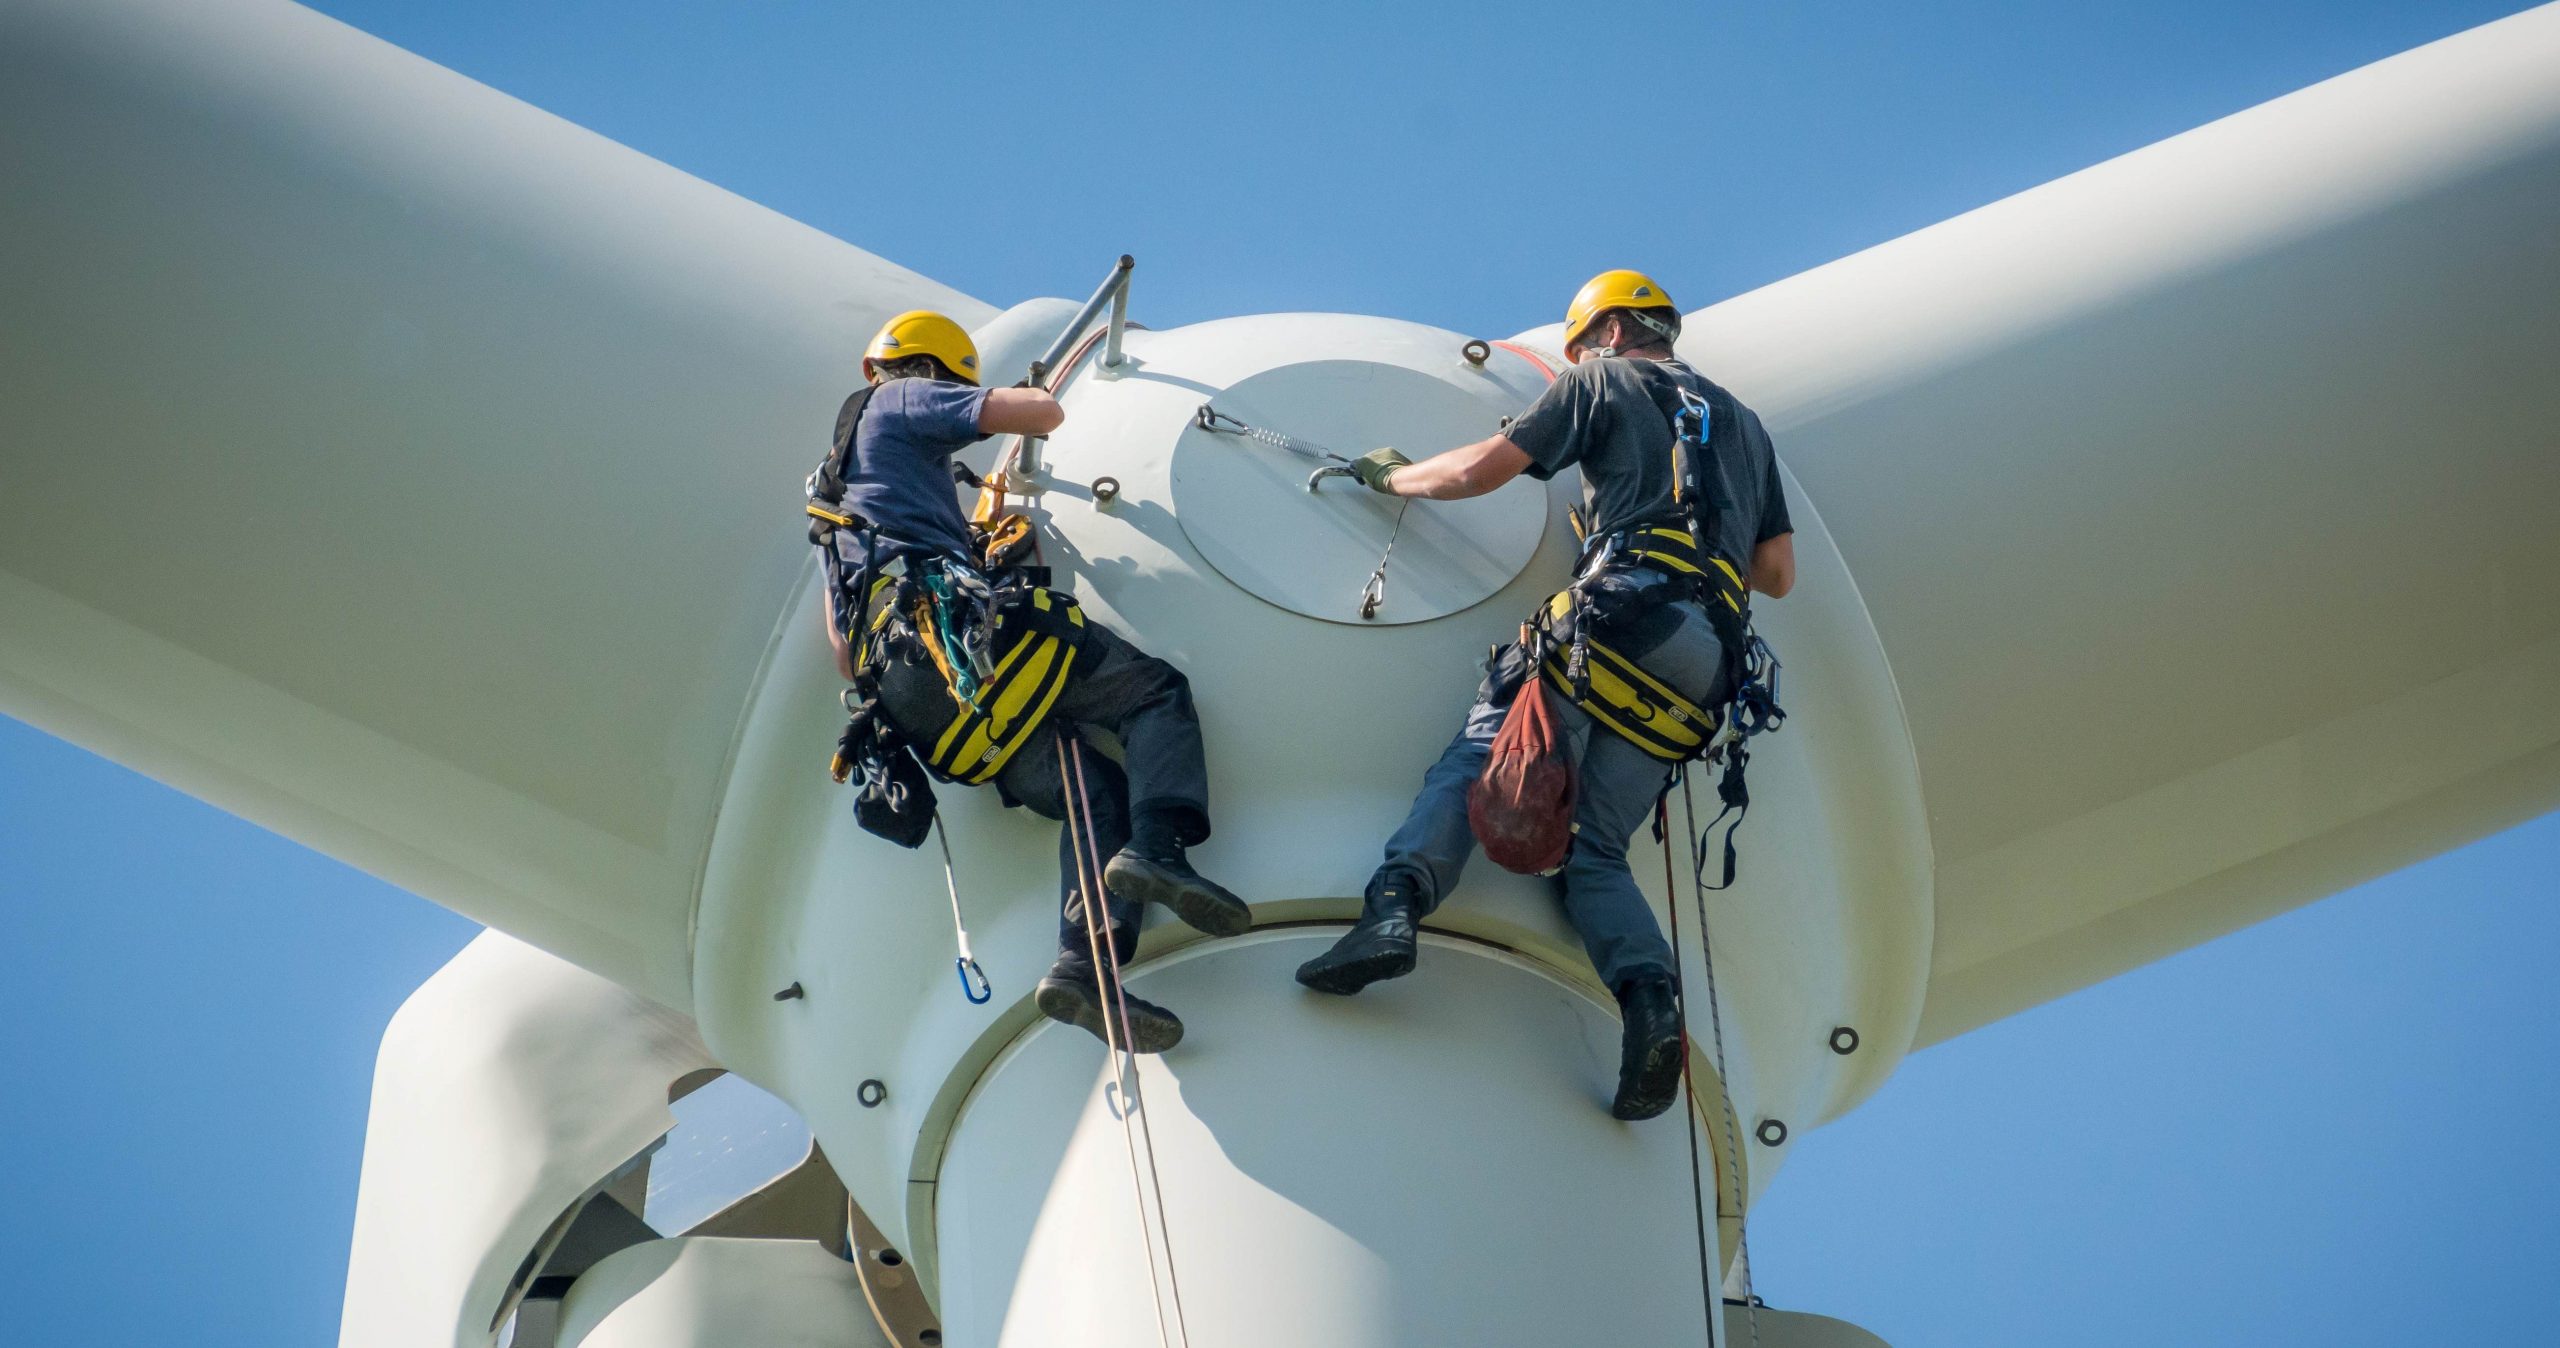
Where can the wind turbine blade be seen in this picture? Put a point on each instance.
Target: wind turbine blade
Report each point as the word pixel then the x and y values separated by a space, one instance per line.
pixel 2205 503
pixel 395 464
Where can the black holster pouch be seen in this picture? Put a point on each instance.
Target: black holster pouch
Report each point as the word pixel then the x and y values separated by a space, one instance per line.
pixel 896 797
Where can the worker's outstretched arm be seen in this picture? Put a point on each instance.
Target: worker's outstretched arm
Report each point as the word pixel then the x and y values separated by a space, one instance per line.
pixel 1468 470
pixel 1773 566
pixel 1020 411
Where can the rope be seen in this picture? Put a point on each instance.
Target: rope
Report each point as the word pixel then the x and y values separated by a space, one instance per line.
pixel 973 980
pixel 1123 1062
pixel 1146 1124
pixel 1707 1281
pixel 1732 1126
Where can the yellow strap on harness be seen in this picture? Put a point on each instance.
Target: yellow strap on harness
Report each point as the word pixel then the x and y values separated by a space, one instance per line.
pixel 1637 707
pixel 1013 702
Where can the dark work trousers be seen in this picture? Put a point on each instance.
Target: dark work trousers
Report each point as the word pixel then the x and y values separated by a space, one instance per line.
pixel 1619 784
pixel 1161 782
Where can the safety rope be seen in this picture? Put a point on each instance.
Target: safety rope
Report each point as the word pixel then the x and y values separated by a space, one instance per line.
pixel 1708 1283
pixel 973 980
pixel 1715 1025
pixel 1106 953
pixel 1146 1124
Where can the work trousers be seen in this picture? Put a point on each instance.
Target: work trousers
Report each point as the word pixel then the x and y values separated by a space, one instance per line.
pixel 1619 784
pixel 1160 783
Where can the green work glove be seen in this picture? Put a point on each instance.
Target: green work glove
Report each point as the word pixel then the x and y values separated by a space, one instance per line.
pixel 1374 467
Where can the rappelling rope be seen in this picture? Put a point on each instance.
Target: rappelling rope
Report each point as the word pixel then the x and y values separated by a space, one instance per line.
pixel 1146 1124
pixel 1708 1283
pixel 1724 1085
pixel 1114 1032
pixel 973 980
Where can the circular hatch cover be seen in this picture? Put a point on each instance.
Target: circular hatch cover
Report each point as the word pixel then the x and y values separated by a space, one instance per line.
pixel 1245 505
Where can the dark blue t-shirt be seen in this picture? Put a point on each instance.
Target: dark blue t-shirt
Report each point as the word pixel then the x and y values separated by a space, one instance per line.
pixel 899 477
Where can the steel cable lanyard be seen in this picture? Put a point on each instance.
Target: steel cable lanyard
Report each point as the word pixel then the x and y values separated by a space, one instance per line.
pixel 1373 592
pixel 1115 1037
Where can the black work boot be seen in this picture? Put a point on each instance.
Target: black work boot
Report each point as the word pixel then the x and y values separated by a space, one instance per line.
pixel 1649 1055
pixel 1169 880
pixel 1071 995
pixel 1383 944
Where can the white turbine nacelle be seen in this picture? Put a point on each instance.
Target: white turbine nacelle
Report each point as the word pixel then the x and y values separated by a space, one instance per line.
pixel 415 474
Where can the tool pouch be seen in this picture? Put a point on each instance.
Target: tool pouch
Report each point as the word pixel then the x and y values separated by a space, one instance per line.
pixel 1521 806
pixel 896 801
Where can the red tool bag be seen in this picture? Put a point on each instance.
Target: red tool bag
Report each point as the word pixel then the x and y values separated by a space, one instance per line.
pixel 1521 806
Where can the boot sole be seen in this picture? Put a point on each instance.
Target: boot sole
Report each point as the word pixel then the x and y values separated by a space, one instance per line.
pixel 1656 1085
pixel 1351 975
pixel 1150 1029
pixel 1202 905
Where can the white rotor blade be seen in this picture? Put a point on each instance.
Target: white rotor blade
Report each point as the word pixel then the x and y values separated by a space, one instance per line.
pixel 395 464
pixel 2208 505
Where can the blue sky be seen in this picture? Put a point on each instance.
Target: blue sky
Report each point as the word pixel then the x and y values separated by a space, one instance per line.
pixel 2289 1136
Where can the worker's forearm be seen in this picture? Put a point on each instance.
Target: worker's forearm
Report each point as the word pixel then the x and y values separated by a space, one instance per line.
pixel 1453 476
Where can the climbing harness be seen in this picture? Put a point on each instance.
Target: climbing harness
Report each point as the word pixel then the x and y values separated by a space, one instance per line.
pixel 1373 591
pixel 1105 954
pixel 1032 636
pixel 973 980
pixel 1715 1027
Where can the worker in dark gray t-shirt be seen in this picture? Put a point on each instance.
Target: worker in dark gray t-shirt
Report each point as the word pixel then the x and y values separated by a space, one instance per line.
pixel 1611 415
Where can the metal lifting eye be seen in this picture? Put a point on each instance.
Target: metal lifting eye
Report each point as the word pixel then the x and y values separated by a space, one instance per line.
pixel 1477 351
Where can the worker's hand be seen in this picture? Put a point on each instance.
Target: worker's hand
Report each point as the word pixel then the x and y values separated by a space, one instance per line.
pixel 1375 467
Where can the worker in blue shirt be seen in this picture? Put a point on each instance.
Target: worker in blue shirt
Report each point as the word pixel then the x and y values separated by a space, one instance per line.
pixel 896 440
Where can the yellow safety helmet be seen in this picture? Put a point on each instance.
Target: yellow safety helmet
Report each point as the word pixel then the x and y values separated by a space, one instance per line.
pixel 1620 289
pixel 922 332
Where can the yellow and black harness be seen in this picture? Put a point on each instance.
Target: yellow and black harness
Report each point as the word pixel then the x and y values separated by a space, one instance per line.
pixel 1032 638
pixel 1593 674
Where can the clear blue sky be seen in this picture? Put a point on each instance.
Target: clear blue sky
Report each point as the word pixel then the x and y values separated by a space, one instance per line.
pixel 2315 1132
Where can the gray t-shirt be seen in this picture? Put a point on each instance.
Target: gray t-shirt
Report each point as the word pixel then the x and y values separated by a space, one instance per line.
pixel 1604 414
pixel 899 476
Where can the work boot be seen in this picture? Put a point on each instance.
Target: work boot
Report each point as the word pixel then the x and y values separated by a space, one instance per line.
pixel 1383 944
pixel 1169 880
pixel 1071 995
pixel 1649 1055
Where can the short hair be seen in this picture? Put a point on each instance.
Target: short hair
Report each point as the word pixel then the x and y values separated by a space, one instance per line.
pixel 914 367
pixel 1635 323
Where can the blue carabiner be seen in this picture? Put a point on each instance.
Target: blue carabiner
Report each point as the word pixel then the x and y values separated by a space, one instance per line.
pixel 973 981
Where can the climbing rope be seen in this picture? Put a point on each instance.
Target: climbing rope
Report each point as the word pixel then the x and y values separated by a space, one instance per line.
pixel 1106 954
pixel 1715 1025
pixel 1146 1125
pixel 973 980
pixel 1708 1283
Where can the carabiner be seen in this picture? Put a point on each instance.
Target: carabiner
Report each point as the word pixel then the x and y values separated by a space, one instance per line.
pixel 973 981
